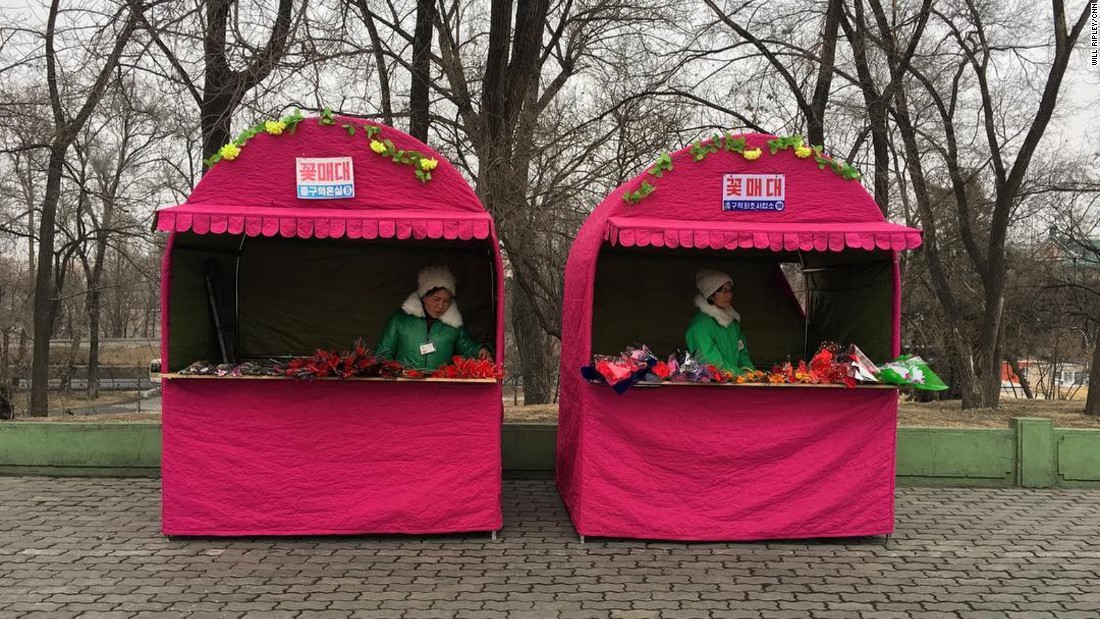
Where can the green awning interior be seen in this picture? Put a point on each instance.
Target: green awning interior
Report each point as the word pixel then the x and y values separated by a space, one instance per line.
pixel 290 296
pixel 645 296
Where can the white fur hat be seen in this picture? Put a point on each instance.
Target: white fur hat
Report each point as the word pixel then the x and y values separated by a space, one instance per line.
pixel 435 277
pixel 707 281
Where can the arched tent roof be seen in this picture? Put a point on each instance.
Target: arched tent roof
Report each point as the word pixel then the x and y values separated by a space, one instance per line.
pixel 255 193
pixel 823 210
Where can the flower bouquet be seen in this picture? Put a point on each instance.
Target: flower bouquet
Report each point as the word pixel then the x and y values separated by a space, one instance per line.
pixel 461 367
pixel 911 371
pixel 355 362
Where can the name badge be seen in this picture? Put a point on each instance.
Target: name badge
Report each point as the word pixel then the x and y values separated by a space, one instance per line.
pixel 427 348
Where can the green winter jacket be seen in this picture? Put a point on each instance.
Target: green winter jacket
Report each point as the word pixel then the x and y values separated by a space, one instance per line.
pixel 723 347
pixel 406 330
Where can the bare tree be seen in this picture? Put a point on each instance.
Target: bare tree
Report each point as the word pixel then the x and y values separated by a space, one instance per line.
pixel 971 54
pixel 66 127
pixel 778 54
pixel 114 158
pixel 1074 273
pixel 500 115
pixel 224 42
pixel 419 109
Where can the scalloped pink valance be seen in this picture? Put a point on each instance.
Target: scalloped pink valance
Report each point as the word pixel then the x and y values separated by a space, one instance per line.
pixel 645 232
pixel 325 223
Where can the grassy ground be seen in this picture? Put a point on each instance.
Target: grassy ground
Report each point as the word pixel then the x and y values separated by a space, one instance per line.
pixel 135 353
pixel 109 418
pixel 950 414
pixel 947 414
pixel 60 402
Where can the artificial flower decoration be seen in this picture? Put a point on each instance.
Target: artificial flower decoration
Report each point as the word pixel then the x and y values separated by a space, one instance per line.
pixel 358 361
pixel 377 146
pixel 229 152
pixel 662 370
pixel 751 376
pixel 461 367
pixel 911 371
pixel 752 154
pixel 832 365
pixel 803 151
pixel 274 127
pixel 427 164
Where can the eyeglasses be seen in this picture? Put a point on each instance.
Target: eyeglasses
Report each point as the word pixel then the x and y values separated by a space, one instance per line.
pixel 728 289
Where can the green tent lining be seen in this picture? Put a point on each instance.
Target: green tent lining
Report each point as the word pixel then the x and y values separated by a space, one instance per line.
pixel 290 296
pixel 645 296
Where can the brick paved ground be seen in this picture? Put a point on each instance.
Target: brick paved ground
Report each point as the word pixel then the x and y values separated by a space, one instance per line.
pixel 91 548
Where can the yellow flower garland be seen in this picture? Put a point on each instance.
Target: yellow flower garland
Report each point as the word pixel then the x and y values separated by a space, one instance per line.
pixel 230 151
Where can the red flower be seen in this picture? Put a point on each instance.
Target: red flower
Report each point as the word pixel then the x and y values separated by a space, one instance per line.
pixel 719 376
pixel 346 364
pixel 662 370
pixel 462 367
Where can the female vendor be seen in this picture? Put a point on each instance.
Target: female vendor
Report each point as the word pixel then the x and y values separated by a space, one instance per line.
pixel 427 331
pixel 714 334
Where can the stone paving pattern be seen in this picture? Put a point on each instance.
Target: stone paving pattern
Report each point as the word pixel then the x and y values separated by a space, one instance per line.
pixel 92 548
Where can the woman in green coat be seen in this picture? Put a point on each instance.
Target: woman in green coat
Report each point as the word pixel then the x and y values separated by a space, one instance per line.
pixel 714 334
pixel 427 331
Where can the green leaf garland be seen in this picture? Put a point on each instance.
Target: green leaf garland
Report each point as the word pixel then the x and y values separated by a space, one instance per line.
pixel 729 143
pixel 422 163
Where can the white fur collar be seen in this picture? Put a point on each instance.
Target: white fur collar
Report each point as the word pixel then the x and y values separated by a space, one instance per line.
pixel 413 307
pixel 724 316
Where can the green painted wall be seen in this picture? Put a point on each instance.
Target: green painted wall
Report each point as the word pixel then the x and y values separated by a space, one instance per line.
pixel 1077 457
pixel 1032 453
pixel 77 448
pixel 956 457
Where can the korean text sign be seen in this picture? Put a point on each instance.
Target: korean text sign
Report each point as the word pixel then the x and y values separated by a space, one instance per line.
pixel 754 192
pixel 325 178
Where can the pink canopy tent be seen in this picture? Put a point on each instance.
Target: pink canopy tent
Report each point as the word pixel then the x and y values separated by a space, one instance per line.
pixel 251 271
pixel 734 462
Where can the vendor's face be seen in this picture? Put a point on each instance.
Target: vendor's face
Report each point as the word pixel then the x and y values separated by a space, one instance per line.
pixel 438 302
pixel 723 297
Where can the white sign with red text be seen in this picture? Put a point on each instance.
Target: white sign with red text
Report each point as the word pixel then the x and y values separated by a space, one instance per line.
pixel 754 192
pixel 325 178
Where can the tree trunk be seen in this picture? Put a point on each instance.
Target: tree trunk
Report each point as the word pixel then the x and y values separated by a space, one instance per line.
pixel 380 61
pixel 533 347
pixel 815 121
pixel 6 410
pixel 93 343
pixel 969 384
pixel 93 275
pixel 223 87
pixel 69 369
pixel 31 233
pixel 1092 404
pixel 1014 363
pixel 419 118
pixel 44 285
pixel 217 117
pixel 989 379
